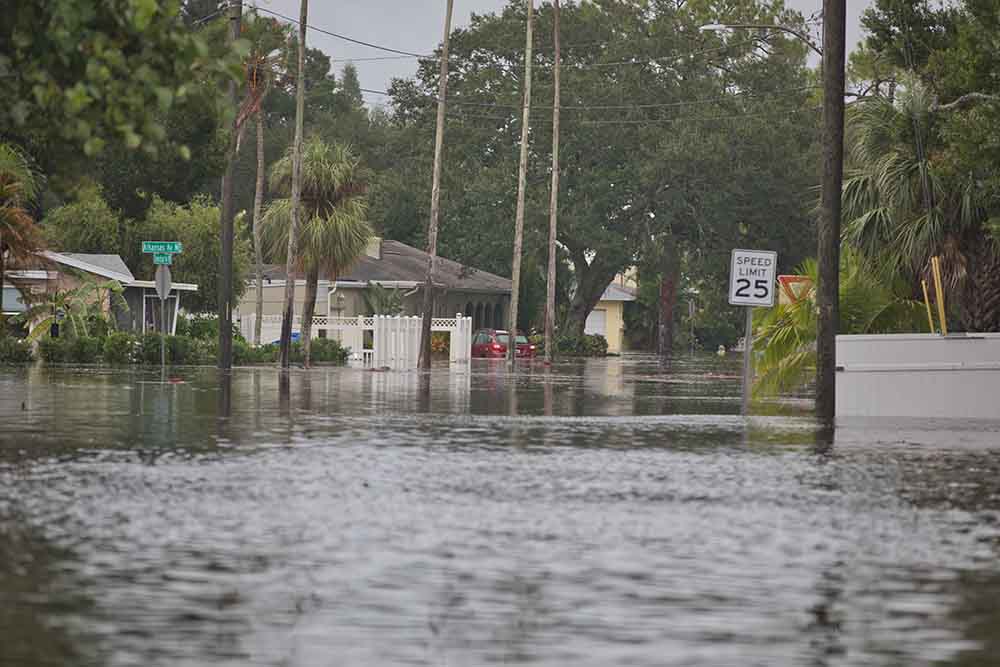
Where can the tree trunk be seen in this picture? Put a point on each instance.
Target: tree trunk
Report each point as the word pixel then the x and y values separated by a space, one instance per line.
pixel 228 213
pixel 979 304
pixel 550 281
pixel 288 313
pixel 591 283
pixel 258 204
pixel 828 250
pixel 522 176
pixel 669 274
pixel 424 360
pixel 308 311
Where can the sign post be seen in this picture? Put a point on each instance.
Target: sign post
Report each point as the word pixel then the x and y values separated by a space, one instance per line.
pixel 163 284
pixel 751 283
pixel 163 256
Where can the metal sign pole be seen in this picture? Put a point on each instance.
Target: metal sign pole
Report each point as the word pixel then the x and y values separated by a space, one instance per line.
pixel 163 333
pixel 747 361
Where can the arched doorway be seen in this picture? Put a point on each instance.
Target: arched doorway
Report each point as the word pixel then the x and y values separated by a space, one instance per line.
pixel 477 322
pixel 498 316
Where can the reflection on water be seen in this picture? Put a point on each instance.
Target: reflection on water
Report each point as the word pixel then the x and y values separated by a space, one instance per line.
pixel 599 512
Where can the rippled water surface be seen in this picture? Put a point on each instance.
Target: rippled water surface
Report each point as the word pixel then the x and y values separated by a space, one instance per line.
pixel 604 513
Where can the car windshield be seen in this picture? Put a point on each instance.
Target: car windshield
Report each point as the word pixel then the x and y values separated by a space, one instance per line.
pixel 504 338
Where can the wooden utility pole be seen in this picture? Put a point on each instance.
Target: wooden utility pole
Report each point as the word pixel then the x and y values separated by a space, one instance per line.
pixel 432 227
pixel 522 176
pixel 228 213
pixel 828 289
pixel 285 352
pixel 258 207
pixel 550 281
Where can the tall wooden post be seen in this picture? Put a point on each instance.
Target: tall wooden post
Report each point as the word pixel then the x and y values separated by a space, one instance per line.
pixel 424 359
pixel 522 176
pixel 228 213
pixel 828 289
pixel 550 282
pixel 285 352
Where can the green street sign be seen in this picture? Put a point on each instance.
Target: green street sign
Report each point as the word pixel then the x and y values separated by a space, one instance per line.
pixel 161 246
pixel 166 258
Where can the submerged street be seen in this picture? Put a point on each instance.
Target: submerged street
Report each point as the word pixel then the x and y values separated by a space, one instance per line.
pixel 605 513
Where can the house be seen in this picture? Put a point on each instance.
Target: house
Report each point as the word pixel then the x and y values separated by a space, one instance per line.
pixel 395 266
pixel 57 271
pixel 608 319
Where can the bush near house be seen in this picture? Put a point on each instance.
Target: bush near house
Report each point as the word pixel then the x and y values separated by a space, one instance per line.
pixel 585 346
pixel 14 351
pixel 119 348
pixel 85 350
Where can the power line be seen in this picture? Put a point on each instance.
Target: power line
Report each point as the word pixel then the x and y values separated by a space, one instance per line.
pixel 343 37
pixel 654 121
pixel 430 98
pixel 409 54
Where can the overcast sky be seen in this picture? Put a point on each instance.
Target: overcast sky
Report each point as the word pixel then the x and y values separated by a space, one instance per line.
pixel 416 26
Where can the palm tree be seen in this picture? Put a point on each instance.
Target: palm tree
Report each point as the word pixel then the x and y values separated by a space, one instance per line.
pixel 334 211
pixel 90 301
pixel 904 202
pixel 20 238
pixel 785 336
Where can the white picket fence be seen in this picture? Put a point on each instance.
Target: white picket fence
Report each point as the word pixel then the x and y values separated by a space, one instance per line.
pixel 395 339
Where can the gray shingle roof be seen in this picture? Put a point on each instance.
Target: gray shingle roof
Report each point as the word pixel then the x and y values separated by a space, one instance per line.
pixel 618 293
pixel 403 263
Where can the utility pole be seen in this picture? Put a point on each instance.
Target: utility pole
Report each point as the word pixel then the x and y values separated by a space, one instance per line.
pixel 228 213
pixel 550 282
pixel 285 352
pixel 522 176
pixel 424 360
pixel 828 289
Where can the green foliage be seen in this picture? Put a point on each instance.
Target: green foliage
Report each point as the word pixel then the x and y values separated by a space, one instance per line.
pixel 785 335
pixel 55 350
pixel 583 346
pixel 91 71
pixel 85 350
pixel 196 225
pixel 328 350
pixel 381 300
pixel 87 225
pixel 14 351
pixel 148 351
pixel 77 310
pixel 119 348
pixel 201 326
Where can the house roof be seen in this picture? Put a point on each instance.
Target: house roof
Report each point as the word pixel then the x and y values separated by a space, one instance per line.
pixel 108 266
pixel 618 293
pixel 400 263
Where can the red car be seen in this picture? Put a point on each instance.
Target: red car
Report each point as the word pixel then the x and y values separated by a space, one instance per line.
pixel 492 344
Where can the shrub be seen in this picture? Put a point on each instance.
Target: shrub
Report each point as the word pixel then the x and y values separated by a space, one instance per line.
pixel 179 349
pixel 149 349
pixel 584 346
pixel 330 350
pixel 14 351
pixel 202 327
pixel 204 351
pixel 85 350
pixel 54 350
pixel 119 348
pixel 440 343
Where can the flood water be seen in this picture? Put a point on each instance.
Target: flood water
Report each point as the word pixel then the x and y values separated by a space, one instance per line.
pixel 603 513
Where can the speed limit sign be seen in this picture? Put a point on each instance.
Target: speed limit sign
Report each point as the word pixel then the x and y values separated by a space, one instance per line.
pixel 752 277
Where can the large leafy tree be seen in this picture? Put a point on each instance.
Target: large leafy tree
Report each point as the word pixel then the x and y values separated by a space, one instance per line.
pixel 673 142
pixel 334 230
pixel 92 71
pixel 196 226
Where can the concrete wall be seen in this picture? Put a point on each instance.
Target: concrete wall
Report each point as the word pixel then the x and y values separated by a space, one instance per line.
pixel 919 375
